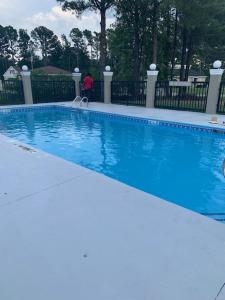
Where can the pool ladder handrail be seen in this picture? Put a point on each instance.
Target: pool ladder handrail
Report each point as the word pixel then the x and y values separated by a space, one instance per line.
pixel 80 100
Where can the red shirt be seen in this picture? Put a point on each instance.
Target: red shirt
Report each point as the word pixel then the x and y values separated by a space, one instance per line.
pixel 88 83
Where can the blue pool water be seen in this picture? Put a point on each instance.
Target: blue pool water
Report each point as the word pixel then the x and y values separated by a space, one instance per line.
pixel 179 165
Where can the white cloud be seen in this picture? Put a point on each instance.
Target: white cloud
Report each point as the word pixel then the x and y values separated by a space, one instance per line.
pixel 28 14
pixel 63 21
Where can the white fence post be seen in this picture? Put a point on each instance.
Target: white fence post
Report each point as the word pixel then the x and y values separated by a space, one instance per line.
pixel 214 87
pixel 151 81
pixel 27 89
pixel 76 75
pixel 107 84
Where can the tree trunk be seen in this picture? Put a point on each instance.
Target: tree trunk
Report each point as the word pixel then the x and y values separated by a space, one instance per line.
pixel 183 55
pixel 44 54
pixel 189 57
pixel 174 46
pixel 155 32
pixel 45 58
pixel 168 44
pixel 136 76
pixel 103 43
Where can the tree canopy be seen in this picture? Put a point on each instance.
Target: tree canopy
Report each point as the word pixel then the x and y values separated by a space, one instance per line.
pixel 178 35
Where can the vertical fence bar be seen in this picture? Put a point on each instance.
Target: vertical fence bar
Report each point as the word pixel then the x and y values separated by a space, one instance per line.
pixel 221 99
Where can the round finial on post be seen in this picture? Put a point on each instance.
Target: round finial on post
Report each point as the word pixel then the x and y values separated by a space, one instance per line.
pixel 76 70
pixel 25 68
pixel 152 67
pixel 217 64
pixel 108 68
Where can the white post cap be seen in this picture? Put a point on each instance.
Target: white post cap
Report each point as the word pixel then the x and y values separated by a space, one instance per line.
pixel 25 68
pixel 25 71
pixel 76 73
pixel 108 68
pixel 217 64
pixel 152 67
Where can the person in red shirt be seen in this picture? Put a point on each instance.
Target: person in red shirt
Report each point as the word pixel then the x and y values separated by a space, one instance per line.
pixel 88 83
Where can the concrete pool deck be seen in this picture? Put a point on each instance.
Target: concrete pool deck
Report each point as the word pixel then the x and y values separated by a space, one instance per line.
pixel 194 118
pixel 69 233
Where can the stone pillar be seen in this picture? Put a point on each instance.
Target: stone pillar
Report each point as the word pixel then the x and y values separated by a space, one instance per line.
pixel 1 86
pixel 214 89
pixel 151 81
pixel 77 78
pixel 27 89
pixel 107 85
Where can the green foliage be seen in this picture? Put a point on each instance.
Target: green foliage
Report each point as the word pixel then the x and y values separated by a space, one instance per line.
pixel 79 6
pixel 47 42
pixel 189 33
pixel 100 6
pixel 169 32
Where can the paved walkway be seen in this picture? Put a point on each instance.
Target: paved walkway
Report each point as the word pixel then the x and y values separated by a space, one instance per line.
pixel 69 233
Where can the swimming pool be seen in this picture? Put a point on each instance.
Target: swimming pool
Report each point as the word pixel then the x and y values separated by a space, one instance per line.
pixel 180 165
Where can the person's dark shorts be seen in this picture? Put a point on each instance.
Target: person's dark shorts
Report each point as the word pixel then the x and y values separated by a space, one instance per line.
pixel 89 94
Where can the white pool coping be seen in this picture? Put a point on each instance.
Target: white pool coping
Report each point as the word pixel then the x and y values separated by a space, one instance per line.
pixel 69 233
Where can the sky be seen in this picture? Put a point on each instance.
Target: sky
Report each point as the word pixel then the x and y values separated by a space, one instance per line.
pixel 29 14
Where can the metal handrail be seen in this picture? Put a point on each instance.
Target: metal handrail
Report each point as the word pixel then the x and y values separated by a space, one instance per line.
pixel 80 100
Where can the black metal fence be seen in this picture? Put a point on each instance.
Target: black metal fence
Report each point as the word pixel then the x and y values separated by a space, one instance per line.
pixel 98 91
pixel 171 96
pixel 11 92
pixel 221 100
pixel 129 92
pixel 53 90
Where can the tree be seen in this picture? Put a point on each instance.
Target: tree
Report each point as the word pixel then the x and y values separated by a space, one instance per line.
pixel 3 42
pixel 134 24
pixel 79 47
pixel 88 36
pixel 77 38
pixel 11 38
pixel 101 6
pixel 66 61
pixel 47 42
pixel 197 20
pixel 24 47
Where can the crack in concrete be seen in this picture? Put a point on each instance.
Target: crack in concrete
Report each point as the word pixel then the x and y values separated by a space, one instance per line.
pixel 39 192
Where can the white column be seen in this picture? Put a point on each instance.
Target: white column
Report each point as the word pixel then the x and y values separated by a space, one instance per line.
pixel 1 86
pixel 107 85
pixel 27 89
pixel 214 88
pixel 76 76
pixel 152 76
